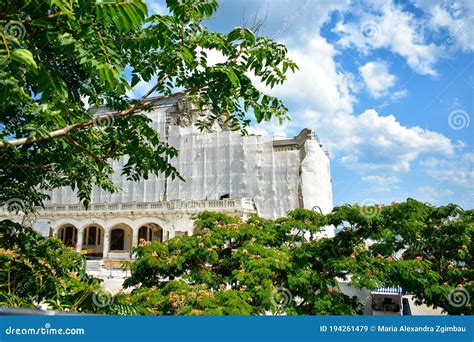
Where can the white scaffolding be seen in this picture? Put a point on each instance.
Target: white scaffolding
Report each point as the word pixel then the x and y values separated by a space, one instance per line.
pixel 225 164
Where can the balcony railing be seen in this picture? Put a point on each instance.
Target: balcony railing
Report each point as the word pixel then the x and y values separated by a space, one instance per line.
pixel 239 204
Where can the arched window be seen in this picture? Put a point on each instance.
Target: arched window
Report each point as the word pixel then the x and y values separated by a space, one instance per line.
pixel 68 235
pixel 117 239
pixel 145 233
pixel 92 236
pixel 150 233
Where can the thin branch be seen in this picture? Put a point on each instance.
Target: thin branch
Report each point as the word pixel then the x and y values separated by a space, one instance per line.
pixel 47 17
pixel 18 166
pixel 256 22
pixel 158 84
pixel 85 150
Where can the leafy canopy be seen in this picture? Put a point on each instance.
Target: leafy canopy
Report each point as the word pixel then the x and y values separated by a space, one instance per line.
pixel 257 266
pixel 58 57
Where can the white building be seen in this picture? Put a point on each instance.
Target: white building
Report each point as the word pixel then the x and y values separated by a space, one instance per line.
pixel 224 171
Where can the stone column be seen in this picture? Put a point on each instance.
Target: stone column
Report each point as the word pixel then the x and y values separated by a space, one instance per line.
pixel 79 239
pixel 56 233
pixel 134 237
pixel 106 244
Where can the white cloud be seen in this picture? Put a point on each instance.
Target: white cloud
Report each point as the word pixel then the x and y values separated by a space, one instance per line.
pixel 214 57
pixel 382 183
pixel 455 171
pixel 360 142
pixel 373 142
pixel 318 82
pixel 377 78
pixel 324 93
pixel 431 194
pixel 272 128
pixel 388 26
pixel 285 16
pixel 398 94
pixel 155 7
pixel 457 17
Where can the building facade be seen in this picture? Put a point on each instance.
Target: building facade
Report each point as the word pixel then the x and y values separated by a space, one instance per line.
pixel 223 171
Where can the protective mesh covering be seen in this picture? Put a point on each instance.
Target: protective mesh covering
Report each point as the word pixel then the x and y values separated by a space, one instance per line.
pixel 316 184
pixel 224 164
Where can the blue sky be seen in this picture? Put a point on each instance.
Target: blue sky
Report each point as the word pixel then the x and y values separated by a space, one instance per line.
pixel 386 85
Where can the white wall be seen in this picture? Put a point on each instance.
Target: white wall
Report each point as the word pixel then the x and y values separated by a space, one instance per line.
pixel 363 295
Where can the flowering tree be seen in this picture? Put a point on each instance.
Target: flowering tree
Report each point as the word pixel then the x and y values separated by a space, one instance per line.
pixel 256 266
pixel 41 272
pixel 36 270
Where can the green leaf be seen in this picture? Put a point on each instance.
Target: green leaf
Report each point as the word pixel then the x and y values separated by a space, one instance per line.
pixel 124 14
pixel 24 56
pixel 66 39
pixel 187 54
pixel 232 77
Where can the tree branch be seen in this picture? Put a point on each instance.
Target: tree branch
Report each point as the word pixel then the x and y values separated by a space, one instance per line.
pixel 27 21
pixel 18 166
pixel 132 110
pixel 85 150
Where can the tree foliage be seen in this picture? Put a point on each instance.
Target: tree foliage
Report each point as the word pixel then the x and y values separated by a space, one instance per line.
pixel 257 266
pixel 41 272
pixel 58 57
